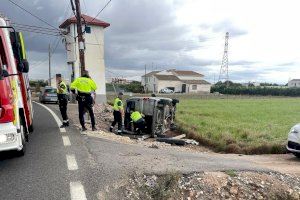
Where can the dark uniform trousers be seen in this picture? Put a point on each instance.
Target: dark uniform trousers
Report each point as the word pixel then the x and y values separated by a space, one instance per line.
pixel 140 124
pixel 117 119
pixel 85 102
pixel 63 104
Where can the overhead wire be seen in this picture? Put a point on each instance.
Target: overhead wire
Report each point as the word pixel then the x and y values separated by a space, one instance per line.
pixel 36 27
pixel 101 10
pixel 37 32
pixel 86 10
pixel 37 64
pixel 37 17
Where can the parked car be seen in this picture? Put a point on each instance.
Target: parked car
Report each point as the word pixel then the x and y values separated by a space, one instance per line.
pixel 293 145
pixel 48 95
pixel 166 91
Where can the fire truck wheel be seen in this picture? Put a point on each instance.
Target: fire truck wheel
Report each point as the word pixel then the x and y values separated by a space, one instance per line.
pixel 22 152
pixel 31 128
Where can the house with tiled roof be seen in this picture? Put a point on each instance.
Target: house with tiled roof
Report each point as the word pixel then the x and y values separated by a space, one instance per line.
pixel 180 81
pixel 294 83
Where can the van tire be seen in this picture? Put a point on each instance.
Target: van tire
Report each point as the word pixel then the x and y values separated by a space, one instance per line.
pixel 297 155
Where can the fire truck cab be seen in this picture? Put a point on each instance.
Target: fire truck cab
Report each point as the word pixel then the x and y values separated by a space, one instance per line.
pixel 16 112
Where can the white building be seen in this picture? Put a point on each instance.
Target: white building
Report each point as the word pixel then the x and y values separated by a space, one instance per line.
pixel 94 51
pixel 176 80
pixel 294 83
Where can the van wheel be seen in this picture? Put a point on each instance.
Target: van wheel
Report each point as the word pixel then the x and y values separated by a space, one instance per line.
pixel 22 152
pixel 297 155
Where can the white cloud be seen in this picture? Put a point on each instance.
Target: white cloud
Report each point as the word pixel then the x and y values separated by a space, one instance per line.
pixel 187 34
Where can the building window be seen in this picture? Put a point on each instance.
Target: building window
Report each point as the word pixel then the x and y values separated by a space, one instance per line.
pixel 194 87
pixel 88 29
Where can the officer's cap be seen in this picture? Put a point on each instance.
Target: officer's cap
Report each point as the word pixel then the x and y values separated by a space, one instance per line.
pixel 120 93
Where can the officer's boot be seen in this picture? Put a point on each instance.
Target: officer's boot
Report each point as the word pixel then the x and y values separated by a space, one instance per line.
pixel 83 129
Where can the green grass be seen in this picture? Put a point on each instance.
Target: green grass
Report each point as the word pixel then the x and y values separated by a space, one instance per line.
pixel 256 125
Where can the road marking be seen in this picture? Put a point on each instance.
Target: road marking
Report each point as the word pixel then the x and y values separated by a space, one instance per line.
pixel 71 162
pixel 66 141
pixel 77 191
pixel 62 130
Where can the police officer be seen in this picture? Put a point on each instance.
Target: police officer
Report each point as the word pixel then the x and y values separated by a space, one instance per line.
pixel 118 113
pixel 85 86
pixel 62 99
pixel 138 120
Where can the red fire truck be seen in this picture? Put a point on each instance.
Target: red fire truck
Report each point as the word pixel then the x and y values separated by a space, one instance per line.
pixel 16 111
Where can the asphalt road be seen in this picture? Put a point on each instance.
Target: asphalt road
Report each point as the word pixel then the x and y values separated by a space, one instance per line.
pixel 69 165
pixel 48 169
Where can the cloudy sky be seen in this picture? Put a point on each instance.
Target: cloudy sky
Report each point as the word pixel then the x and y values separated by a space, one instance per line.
pixel 264 42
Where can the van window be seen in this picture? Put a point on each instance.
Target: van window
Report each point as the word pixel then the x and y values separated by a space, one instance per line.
pixel 3 54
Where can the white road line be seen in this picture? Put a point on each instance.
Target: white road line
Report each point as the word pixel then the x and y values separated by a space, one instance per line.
pixel 66 141
pixel 71 162
pixel 62 130
pixel 77 191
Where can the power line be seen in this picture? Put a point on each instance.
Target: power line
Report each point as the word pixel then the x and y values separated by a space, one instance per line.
pixel 85 7
pixel 67 8
pixel 37 32
pixel 37 17
pixel 33 66
pixel 31 26
pixel 56 45
pixel 100 11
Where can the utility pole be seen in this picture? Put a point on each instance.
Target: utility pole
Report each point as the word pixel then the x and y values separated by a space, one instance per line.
pixel 81 44
pixel 214 78
pixel 145 77
pixel 49 49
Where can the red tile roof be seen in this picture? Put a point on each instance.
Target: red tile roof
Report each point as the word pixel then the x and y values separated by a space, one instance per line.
pixel 151 73
pixel 186 73
pixel 197 82
pixel 167 77
pixel 89 21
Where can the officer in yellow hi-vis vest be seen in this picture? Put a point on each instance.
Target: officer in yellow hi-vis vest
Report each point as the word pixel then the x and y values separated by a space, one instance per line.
pixel 85 86
pixel 138 120
pixel 118 113
pixel 62 99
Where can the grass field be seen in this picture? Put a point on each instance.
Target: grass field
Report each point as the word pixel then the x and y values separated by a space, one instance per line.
pixel 256 125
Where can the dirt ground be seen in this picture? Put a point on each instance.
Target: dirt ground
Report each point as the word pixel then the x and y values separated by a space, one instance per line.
pixel 207 185
pixel 283 163
pixel 281 182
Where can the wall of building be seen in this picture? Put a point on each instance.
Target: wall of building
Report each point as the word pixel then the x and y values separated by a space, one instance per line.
pixel 151 83
pixel 294 83
pixel 94 57
pixel 201 88
pixel 166 84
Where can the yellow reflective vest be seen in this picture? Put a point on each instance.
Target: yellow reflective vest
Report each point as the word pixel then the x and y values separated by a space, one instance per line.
pixel 136 116
pixel 84 85
pixel 118 104
pixel 62 88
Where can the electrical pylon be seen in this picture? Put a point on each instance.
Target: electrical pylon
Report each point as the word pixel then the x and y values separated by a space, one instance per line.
pixel 223 76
